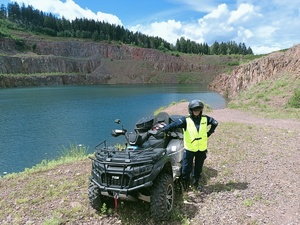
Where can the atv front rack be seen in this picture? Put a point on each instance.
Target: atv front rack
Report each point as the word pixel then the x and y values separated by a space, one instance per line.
pixel 127 170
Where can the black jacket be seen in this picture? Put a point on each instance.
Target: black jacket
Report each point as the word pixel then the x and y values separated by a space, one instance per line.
pixel 181 123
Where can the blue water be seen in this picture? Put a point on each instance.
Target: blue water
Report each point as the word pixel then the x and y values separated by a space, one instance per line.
pixel 35 123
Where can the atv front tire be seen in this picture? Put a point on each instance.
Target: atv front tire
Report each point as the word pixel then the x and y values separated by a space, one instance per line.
pixel 162 197
pixel 95 197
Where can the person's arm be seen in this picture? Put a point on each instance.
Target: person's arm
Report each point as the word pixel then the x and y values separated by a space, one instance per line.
pixel 213 125
pixel 180 123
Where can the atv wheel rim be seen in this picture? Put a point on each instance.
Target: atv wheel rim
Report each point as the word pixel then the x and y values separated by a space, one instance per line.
pixel 169 198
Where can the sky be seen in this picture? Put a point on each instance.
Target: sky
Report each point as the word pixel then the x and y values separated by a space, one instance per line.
pixel 263 25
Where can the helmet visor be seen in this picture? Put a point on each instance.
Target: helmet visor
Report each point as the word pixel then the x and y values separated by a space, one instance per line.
pixel 197 109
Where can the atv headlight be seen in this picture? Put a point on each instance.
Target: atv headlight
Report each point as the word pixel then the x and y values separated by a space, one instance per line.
pixel 139 170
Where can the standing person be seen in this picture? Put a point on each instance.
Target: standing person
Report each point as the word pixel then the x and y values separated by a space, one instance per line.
pixel 196 133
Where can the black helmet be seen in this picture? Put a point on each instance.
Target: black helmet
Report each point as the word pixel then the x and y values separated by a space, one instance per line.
pixel 195 104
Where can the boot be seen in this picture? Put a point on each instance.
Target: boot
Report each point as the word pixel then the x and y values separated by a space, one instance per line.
pixel 196 185
pixel 185 185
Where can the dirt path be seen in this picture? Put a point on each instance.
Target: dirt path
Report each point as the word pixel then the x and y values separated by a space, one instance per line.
pixel 232 115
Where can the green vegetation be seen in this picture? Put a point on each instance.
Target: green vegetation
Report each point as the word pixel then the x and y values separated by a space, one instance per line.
pixel 75 151
pixel 265 98
pixel 248 202
pixel 294 101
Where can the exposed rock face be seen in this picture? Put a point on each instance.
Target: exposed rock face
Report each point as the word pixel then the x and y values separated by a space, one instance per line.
pixel 82 62
pixel 81 57
pixel 95 62
pixel 94 51
pixel 7 45
pixel 46 64
pixel 258 70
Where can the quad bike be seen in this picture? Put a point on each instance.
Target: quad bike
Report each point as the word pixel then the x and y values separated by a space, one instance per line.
pixel 146 169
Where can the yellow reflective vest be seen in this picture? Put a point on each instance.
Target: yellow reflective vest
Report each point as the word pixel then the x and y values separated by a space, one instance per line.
pixel 195 140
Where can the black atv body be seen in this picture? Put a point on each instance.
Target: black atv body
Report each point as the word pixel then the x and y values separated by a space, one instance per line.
pixel 146 169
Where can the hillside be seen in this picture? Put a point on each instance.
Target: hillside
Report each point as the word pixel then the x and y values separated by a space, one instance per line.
pixel 34 60
pixel 283 64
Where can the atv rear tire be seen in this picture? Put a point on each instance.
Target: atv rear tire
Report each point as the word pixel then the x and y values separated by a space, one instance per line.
pixel 95 197
pixel 162 197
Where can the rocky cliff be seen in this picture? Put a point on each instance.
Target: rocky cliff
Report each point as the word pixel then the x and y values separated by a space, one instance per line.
pixel 268 67
pixel 36 61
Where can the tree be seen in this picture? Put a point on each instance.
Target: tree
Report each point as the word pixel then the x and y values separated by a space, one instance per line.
pixel 96 36
pixel 14 12
pixel 249 51
pixel 222 49
pixel 215 48
pixel 3 12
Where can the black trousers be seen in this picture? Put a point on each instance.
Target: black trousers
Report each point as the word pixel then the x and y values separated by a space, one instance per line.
pixel 188 162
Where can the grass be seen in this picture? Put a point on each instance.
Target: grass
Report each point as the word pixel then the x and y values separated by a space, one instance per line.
pixel 73 153
pixel 294 101
pixel 6 28
pixel 248 202
pixel 276 98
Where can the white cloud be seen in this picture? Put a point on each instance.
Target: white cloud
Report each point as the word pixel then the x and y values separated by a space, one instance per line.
pixel 244 34
pixel 70 10
pixel 220 12
pixel 262 49
pixel 169 30
pixel 195 31
pixel 263 32
pixel 242 14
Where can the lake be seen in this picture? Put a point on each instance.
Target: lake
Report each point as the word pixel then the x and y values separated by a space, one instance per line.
pixel 36 123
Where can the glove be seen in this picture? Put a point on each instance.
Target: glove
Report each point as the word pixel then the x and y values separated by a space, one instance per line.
pixel 208 134
pixel 156 131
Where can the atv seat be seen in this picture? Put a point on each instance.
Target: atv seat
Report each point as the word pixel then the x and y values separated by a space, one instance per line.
pixel 161 117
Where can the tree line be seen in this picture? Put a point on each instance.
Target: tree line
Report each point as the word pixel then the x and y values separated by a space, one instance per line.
pixel 46 23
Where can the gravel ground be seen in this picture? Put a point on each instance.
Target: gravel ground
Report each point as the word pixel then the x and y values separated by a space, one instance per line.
pixel 259 167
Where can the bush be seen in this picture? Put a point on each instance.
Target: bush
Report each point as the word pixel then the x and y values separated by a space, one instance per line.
pixel 295 99
pixel 74 151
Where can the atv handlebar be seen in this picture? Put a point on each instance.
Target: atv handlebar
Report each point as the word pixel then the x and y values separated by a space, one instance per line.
pixel 154 132
pixel 138 138
pixel 118 132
